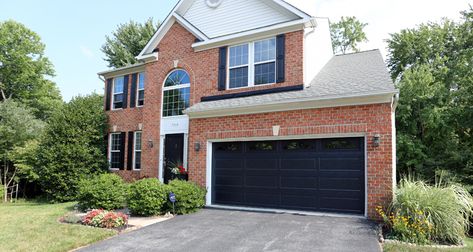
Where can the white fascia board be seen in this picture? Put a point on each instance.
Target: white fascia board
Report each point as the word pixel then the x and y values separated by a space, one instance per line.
pixel 159 34
pixel 148 57
pixel 292 9
pixel 309 103
pixel 252 34
pixel 196 32
pixel 123 70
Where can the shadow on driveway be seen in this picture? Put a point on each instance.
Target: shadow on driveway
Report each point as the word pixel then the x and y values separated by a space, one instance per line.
pixel 227 230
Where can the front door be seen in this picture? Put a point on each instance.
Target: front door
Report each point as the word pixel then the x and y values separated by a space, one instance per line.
pixel 173 153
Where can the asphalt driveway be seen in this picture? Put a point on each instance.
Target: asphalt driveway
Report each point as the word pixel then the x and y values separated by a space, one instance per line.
pixel 227 230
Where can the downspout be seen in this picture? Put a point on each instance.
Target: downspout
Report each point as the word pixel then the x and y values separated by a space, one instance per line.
pixel 313 25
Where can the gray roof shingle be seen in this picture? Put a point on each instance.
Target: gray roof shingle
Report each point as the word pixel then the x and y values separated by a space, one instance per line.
pixel 350 75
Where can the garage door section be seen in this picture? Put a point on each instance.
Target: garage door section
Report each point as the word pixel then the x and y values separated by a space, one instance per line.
pixel 325 175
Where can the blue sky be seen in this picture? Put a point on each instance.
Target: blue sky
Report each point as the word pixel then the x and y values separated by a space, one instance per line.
pixel 74 31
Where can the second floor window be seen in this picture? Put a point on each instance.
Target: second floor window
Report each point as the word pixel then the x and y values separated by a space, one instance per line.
pixel 140 93
pixel 117 98
pixel 252 64
pixel 176 93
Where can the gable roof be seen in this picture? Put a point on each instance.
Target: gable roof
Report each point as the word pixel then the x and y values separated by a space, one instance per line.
pixel 358 78
pixel 229 20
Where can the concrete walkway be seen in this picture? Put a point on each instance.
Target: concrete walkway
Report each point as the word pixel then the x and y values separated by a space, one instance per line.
pixel 226 230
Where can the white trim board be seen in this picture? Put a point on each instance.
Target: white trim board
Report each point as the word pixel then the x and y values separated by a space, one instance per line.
pixel 208 168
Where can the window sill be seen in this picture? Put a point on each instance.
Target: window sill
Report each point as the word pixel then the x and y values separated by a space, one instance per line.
pixel 253 86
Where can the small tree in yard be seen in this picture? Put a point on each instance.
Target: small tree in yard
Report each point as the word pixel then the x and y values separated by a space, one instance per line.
pixel 18 128
pixel 73 147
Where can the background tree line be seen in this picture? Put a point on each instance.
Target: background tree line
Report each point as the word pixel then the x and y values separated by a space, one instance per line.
pixel 432 66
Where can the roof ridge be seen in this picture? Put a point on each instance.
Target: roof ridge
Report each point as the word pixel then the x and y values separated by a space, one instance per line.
pixel 360 52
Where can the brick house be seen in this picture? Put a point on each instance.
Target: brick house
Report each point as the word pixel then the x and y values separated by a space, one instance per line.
pixel 249 98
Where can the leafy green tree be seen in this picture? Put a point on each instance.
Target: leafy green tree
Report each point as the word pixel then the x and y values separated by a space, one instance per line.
pixel 347 34
pixel 73 147
pixel 18 127
pixel 127 42
pixel 24 70
pixel 432 66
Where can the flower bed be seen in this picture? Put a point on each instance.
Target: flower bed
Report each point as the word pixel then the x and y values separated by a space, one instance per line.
pixel 105 219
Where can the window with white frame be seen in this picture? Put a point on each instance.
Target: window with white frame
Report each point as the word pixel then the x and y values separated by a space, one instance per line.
pixel 252 64
pixel 117 97
pixel 176 93
pixel 115 150
pixel 137 151
pixel 140 93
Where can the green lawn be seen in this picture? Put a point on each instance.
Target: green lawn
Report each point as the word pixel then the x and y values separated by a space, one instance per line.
pixel 30 226
pixel 404 248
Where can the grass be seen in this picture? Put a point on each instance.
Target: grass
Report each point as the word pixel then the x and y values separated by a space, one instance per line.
pixel 406 248
pixel 34 226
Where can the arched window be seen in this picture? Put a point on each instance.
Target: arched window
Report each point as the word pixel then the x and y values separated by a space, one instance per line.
pixel 176 93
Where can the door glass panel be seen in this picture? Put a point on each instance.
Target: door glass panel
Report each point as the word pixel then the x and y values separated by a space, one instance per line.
pixel 341 144
pixel 298 145
pixel 261 146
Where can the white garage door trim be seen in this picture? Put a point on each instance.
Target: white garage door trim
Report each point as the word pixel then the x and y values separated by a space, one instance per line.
pixel 249 139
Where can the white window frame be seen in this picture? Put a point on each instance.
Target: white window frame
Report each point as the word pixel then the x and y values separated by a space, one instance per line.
pixel 251 65
pixel 113 93
pixel 138 89
pixel 135 150
pixel 110 151
pixel 187 85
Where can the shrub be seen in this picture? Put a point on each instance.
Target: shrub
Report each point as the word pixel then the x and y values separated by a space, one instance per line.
pixel 413 229
pixel 189 196
pixel 147 197
pixel 2 193
pixel 105 219
pixel 105 191
pixel 445 207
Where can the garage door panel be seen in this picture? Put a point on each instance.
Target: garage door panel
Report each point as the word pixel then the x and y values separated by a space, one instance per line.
pixel 305 182
pixel 349 205
pixel 341 164
pixel 226 180
pixel 340 183
pixel 298 164
pixel 262 181
pixel 313 175
pixel 261 164
pixel 224 164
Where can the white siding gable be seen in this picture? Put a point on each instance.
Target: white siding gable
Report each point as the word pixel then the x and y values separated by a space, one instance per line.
pixel 234 16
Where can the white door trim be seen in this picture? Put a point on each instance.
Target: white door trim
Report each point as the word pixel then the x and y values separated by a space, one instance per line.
pixel 208 169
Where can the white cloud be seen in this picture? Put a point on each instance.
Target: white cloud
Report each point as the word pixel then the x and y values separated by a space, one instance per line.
pixel 384 16
pixel 87 52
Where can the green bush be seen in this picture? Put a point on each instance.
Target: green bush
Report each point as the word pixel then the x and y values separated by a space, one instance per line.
pixel 147 197
pixel 105 191
pixel 446 207
pixel 189 196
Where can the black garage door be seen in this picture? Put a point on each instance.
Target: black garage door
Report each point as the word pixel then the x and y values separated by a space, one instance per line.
pixel 325 175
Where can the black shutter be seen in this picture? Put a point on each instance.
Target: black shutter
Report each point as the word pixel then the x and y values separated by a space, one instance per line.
pixel 222 69
pixel 108 94
pixel 133 91
pixel 281 58
pixel 131 136
pixel 122 151
pixel 125 91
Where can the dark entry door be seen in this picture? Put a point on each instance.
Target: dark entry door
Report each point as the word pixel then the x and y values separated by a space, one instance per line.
pixel 326 175
pixel 173 153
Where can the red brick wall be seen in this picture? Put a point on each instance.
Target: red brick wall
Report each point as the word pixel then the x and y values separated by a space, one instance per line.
pixel 369 120
pixel 203 70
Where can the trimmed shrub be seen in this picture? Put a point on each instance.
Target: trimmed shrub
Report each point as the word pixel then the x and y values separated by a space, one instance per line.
pixel 105 219
pixel 105 191
pixel 147 197
pixel 446 209
pixel 189 196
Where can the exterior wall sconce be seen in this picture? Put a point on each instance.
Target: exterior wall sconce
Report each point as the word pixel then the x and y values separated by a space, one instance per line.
pixel 150 144
pixel 376 140
pixel 197 146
